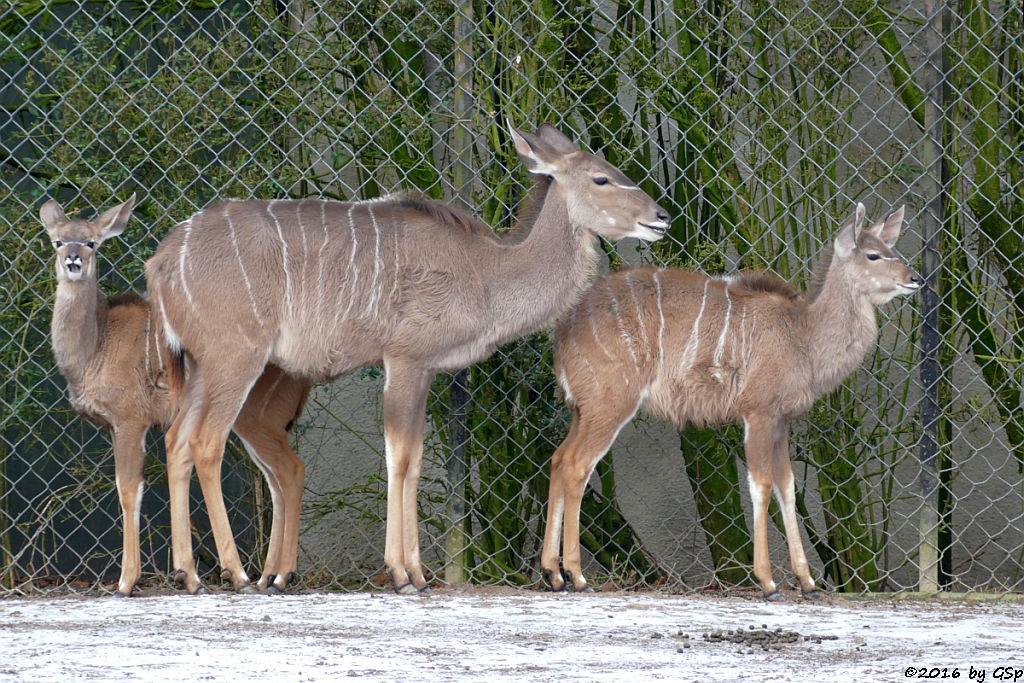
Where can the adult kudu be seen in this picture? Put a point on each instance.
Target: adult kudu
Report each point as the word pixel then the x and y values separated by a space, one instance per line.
pixel 322 288
pixel 702 350
pixel 110 353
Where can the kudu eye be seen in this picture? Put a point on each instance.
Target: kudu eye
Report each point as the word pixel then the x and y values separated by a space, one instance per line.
pixel 58 244
pixel 600 180
pixel 873 256
pixel 90 244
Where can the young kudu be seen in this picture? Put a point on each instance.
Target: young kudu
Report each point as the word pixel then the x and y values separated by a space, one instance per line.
pixel 112 356
pixel 322 288
pixel 700 350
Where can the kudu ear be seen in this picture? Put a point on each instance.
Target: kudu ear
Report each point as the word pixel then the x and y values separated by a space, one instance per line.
pixel 113 221
pixel 556 139
pixel 889 230
pixel 51 215
pixel 846 240
pixel 537 156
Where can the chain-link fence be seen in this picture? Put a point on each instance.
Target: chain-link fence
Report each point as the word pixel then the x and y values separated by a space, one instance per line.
pixel 757 124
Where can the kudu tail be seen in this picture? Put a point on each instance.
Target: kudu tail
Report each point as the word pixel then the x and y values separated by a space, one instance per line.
pixel 299 408
pixel 175 369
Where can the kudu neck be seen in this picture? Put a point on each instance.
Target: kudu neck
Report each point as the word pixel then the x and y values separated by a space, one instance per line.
pixel 79 314
pixel 842 325
pixel 537 276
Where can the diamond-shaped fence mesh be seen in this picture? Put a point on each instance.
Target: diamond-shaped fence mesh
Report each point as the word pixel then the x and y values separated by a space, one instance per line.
pixel 757 125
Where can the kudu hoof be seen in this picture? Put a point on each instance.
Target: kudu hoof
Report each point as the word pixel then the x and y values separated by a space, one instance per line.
pixel 570 584
pixel 247 589
pixel 178 577
pixel 774 596
pixel 814 595
pixel 201 589
pixel 549 578
pixel 407 589
pixel 119 594
pixel 272 587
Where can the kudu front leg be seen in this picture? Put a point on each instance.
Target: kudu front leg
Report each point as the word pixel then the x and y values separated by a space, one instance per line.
pixel 785 493
pixel 592 441
pixel 404 407
pixel 129 461
pixel 549 559
pixel 759 444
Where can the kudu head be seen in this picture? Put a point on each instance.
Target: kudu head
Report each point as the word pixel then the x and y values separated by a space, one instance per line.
pixel 599 197
pixel 867 255
pixel 76 240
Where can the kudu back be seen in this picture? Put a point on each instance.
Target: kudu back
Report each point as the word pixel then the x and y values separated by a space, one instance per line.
pixel 321 288
pixel 111 354
pixel 702 350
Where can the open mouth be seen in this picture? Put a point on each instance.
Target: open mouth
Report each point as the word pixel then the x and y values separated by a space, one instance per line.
pixel 660 228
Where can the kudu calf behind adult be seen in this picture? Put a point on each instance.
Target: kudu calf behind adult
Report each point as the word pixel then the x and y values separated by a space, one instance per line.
pixel 110 352
pixel 701 350
pixel 322 288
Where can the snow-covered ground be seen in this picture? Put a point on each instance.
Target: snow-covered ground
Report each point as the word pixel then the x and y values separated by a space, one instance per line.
pixel 480 633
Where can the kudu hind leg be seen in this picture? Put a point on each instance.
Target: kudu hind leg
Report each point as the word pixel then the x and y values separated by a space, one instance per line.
pixel 262 425
pixel 259 454
pixel 785 494
pixel 267 445
pixel 404 407
pixel 179 476
pixel 222 399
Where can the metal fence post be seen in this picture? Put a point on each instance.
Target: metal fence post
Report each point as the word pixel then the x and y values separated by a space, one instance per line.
pixel 932 220
pixel 457 541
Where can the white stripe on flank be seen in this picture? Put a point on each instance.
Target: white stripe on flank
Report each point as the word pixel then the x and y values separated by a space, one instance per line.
pixel 173 340
pixel 149 321
pixel 156 342
pixel 181 259
pixel 690 351
pixel 725 328
pixel 661 322
pixel 622 328
pixel 304 267
pixel 593 329
pixel 241 265
pixel 320 269
pixel 639 317
pixel 353 270
pixel 394 286
pixel 284 259
pixel 376 260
